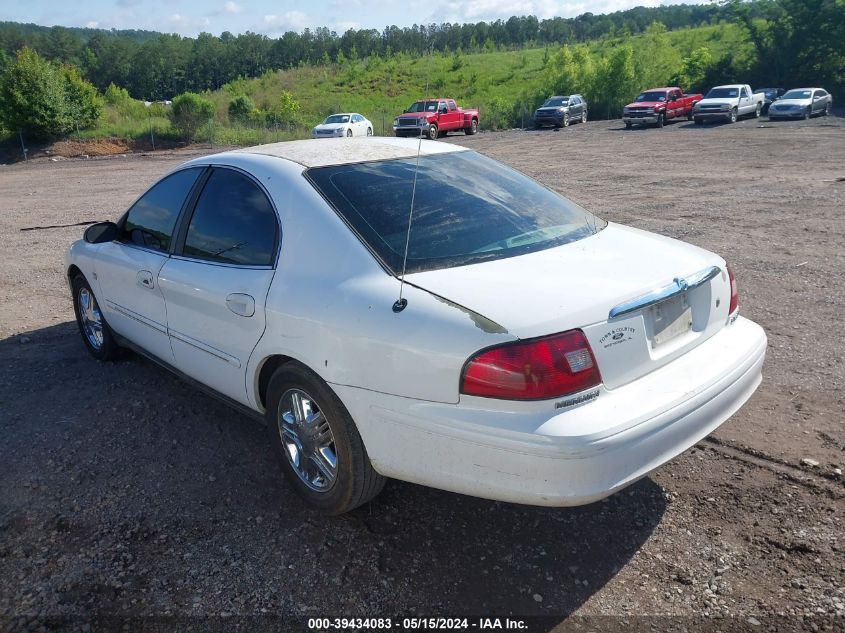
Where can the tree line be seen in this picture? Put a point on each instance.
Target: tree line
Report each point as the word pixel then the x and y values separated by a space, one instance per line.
pixel 158 66
pixel 782 43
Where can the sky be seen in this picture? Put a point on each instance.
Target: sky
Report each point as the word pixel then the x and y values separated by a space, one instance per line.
pixel 274 17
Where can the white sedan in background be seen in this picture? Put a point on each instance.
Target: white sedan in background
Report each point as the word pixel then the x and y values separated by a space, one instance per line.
pixel 534 353
pixel 345 124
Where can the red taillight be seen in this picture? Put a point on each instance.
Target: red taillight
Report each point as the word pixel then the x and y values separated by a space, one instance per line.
pixel 542 368
pixel 734 291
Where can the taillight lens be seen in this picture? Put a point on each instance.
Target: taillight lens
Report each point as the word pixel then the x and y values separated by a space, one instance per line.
pixel 539 369
pixel 734 291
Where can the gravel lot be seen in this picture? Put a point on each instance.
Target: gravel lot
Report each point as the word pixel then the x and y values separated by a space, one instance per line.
pixel 126 493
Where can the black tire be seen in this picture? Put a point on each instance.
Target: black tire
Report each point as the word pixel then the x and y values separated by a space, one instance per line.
pixel 661 119
pixel 733 116
pixel 808 112
pixel 628 125
pixel 758 111
pixel 827 110
pixel 106 349
pixel 348 133
pixel 356 482
pixel 473 128
pixel 566 119
pixel 583 116
pixel 433 132
pixel 369 131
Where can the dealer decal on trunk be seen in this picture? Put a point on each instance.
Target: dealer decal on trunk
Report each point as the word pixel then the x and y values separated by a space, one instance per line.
pixel 617 335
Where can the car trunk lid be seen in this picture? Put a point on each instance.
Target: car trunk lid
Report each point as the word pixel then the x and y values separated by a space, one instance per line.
pixel 663 304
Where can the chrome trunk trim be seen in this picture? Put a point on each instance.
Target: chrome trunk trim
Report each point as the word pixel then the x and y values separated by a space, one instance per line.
pixel 678 286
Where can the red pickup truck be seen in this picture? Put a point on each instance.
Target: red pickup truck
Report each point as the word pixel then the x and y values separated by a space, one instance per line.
pixel 659 105
pixel 435 117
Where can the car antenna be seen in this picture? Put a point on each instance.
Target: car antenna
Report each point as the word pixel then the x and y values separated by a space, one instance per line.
pixel 401 303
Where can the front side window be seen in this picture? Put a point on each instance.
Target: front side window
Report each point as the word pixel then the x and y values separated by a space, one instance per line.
pixel 233 222
pixel 467 208
pixel 151 220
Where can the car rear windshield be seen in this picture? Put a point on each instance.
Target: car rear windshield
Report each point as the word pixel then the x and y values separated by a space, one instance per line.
pixel 467 209
pixel 722 93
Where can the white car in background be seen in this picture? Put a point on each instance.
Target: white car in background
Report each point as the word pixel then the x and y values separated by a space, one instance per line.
pixel 534 353
pixel 343 124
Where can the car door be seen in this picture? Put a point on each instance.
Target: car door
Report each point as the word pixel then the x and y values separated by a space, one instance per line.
pixel 673 106
pixel 216 282
pixel 746 104
pixel 128 269
pixel 819 101
pixel 574 108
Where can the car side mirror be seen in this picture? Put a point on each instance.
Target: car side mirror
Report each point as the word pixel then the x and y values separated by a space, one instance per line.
pixel 101 232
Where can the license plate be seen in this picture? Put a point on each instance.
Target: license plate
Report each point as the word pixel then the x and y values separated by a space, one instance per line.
pixel 670 319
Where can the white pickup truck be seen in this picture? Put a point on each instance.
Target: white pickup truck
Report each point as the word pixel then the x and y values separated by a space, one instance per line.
pixel 728 103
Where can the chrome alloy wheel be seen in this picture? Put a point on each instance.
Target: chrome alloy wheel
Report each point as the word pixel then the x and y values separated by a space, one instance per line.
pixel 307 440
pixel 91 318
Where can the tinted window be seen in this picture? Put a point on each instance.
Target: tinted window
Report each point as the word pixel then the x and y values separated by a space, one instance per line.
pixel 233 222
pixel 651 96
pixel 151 219
pixel 467 208
pixel 722 93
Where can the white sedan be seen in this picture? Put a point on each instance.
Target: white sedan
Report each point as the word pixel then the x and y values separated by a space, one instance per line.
pixel 345 124
pixel 494 340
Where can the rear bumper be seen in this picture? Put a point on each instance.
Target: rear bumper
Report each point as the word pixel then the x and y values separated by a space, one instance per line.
pixel 529 453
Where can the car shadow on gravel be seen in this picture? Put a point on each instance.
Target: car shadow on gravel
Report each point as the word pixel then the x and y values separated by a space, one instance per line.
pixel 127 491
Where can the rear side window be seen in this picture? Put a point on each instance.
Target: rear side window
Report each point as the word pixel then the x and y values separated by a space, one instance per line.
pixel 467 208
pixel 233 222
pixel 150 221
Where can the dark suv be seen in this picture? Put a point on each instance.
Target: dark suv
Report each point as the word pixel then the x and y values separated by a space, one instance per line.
pixel 770 95
pixel 561 111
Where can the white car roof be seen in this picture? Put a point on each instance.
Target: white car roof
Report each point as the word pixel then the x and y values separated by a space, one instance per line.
pixel 341 151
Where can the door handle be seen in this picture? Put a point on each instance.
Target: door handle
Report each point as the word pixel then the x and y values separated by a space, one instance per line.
pixel 241 304
pixel 145 279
